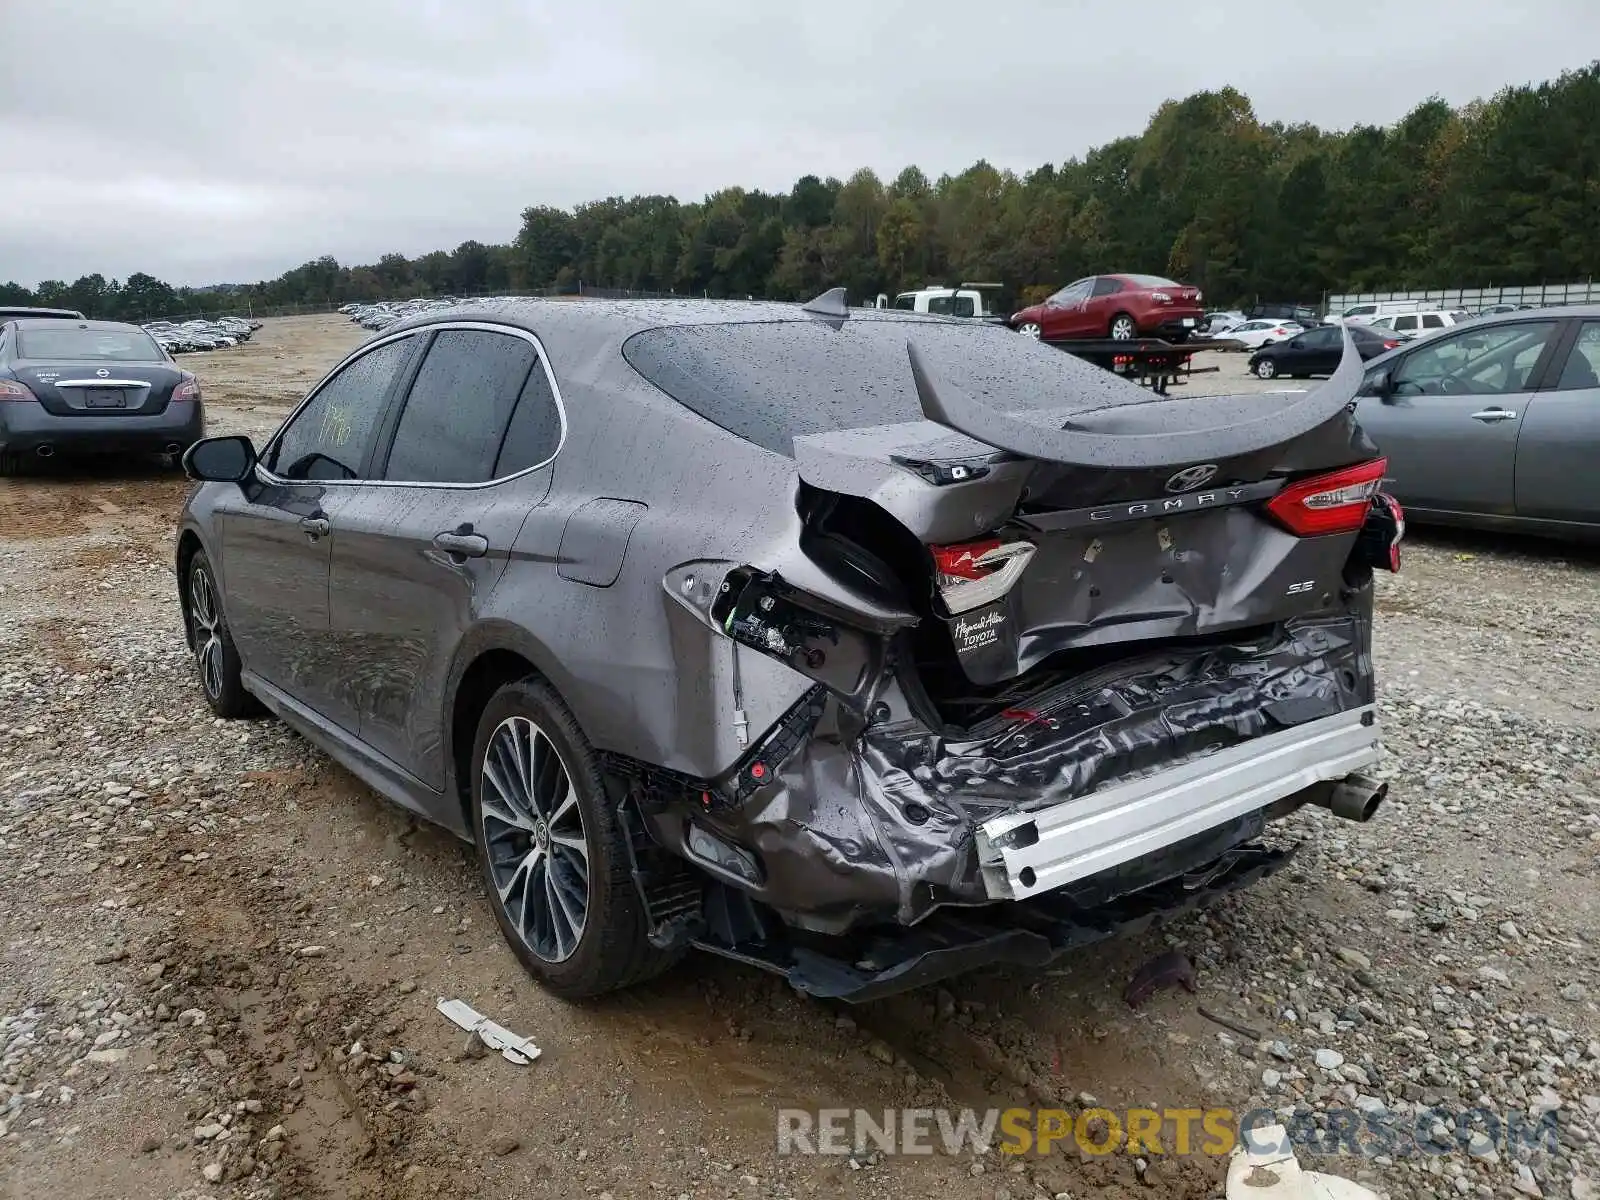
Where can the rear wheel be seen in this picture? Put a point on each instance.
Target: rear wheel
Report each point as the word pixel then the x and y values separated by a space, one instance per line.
pixel 215 656
pixel 1122 328
pixel 552 851
pixel 1266 369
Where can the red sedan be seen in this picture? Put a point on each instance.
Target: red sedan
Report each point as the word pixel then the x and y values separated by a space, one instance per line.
pixel 1121 307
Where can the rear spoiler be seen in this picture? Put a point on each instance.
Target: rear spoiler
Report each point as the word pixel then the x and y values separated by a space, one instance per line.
pixel 1080 443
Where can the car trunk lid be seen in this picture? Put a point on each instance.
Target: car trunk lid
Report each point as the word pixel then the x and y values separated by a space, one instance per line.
pixel 99 388
pixel 1181 517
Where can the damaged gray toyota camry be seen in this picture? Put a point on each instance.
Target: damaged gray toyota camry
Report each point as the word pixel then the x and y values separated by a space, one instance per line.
pixel 863 647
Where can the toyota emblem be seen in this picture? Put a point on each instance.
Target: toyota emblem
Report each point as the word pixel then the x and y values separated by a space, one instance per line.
pixel 103 373
pixel 1192 477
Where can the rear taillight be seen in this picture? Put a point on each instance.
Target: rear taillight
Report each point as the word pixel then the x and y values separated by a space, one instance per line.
pixel 972 574
pixel 1280 333
pixel 1332 503
pixel 10 389
pixel 1390 343
pixel 188 388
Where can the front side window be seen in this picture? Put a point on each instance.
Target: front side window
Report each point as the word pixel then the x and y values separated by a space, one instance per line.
pixel 1072 293
pixel 1583 364
pixel 456 413
pixel 907 301
pixel 1318 339
pixel 330 436
pixel 1475 362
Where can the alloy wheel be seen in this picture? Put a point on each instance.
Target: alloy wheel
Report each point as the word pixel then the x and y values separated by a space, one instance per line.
pixel 1029 329
pixel 207 631
pixel 1122 329
pixel 534 837
pixel 1266 368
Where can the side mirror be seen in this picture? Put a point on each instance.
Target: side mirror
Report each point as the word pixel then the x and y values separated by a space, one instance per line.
pixel 1379 384
pixel 220 459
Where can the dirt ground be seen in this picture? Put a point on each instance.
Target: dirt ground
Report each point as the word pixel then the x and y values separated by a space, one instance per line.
pixel 220 954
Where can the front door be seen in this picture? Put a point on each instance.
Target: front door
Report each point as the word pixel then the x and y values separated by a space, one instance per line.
pixel 1064 312
pixel 277 534
pixel 417 553
pixel 1560 443
pixel 1456 405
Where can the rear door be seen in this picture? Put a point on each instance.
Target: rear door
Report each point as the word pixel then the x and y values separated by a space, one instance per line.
pixel 1450 423
pixel 461 463
pixel 1559 447
pixel 277 531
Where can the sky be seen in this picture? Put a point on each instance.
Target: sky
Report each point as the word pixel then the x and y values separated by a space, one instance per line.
pixel 228 141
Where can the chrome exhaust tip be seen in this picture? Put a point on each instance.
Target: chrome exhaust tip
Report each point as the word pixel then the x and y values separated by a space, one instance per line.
pixel 46 451
pixel 174 449
pixel 1355 798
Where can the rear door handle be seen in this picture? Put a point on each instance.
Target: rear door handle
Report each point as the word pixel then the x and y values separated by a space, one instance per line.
pixel 467 545
pixel 1495 414
pixel 315 527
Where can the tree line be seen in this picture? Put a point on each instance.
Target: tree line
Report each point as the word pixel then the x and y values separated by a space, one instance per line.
pixel 1498 192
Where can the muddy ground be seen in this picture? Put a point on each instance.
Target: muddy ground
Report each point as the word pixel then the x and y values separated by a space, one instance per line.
pixel 219 953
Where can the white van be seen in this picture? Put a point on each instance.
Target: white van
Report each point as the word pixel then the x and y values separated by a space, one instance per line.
pixel 1411 324
pixel 1369 310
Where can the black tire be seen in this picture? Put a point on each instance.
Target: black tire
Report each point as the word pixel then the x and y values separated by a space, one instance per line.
pixel 1123 328
pixel 1266 369
pixel 612 949
pixel 216 657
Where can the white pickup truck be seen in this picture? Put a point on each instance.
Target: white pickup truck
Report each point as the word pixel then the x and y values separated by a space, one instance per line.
pixel 958 300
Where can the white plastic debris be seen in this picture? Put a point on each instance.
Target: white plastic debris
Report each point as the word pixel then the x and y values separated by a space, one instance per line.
pixel 1264 1167
pixel 512 1048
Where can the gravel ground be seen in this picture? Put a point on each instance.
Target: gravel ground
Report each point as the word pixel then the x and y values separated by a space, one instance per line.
pixel 219 953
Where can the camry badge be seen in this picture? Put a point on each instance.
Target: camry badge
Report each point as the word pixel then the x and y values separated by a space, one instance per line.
pixel 1191 477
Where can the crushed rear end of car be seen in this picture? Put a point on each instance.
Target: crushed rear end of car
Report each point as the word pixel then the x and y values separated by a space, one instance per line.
pixel 1061 679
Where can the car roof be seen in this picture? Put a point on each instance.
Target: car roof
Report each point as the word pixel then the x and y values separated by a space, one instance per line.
pixel 621 319
pixel 108 326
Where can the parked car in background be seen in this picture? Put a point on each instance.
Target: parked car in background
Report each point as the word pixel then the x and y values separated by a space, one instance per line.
pixel 1304 315
pixel 1317 351
pixel 865 736
pixel 1214 322
pixel 91 387
pixel 1495 422
pixel 1253 335
pixel 1410 325
pixel 1120 307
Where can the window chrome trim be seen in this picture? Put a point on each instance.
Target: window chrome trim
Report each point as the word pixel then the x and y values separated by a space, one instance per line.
pixel 266 476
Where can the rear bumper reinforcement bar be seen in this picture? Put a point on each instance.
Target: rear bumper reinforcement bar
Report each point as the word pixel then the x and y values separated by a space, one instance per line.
pixel 1026 853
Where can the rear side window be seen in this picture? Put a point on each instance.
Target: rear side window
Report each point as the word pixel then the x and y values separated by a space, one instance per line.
pixel 1432 321
pixel 534 435
pixel 1106 286
pixel 771 382
pixel 329 437
pixel 456 414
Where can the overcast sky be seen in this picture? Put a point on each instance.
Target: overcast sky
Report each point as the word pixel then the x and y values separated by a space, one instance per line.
pixel 224 141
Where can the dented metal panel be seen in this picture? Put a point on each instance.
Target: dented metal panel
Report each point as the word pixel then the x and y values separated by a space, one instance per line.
pixel 869 823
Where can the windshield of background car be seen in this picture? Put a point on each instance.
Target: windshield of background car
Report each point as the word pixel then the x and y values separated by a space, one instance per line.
pixel 771 382
pixel 92 345
pixel 1150 281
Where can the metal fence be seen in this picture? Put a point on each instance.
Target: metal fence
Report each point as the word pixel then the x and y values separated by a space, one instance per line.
pixel 1474 299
